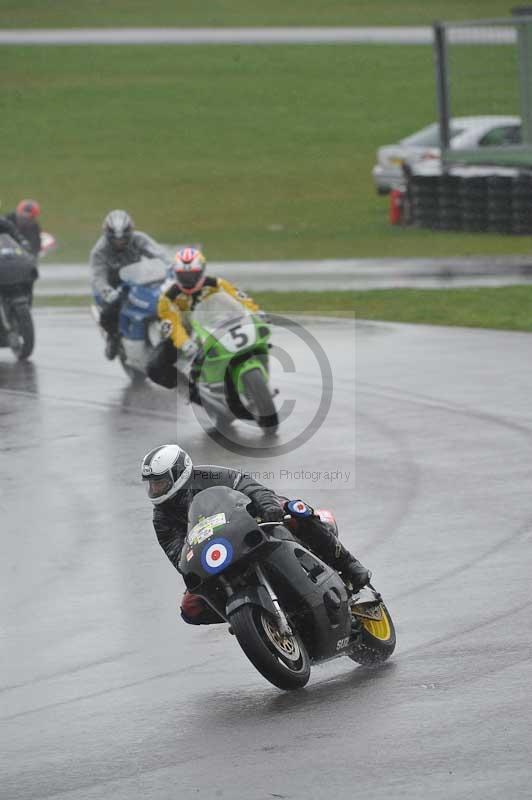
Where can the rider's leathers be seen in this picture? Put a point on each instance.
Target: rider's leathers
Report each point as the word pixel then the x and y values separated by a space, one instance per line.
pixel 173 304
pixel 106 261
pixel 170 523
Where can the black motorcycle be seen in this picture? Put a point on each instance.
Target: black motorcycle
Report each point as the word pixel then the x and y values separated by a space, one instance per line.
pixel 18 273
pixel 286 607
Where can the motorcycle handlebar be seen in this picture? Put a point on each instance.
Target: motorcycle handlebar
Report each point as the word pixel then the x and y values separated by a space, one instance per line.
pixel 278 522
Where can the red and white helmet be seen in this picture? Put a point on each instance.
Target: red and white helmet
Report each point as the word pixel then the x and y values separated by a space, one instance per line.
pixel 189 269
pixel 28 209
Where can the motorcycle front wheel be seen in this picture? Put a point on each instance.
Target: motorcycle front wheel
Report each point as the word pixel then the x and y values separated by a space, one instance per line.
pixel 375 641
pixel 22 333
pixel 282 659
pixel 260 401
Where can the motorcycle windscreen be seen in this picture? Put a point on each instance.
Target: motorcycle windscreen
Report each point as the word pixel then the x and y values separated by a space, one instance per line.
pixel 16 265
pixel 227 320
pixel 219 526
pixel 217 502
pixel 145 271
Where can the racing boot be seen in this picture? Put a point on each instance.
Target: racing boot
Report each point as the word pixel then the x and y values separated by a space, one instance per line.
pixel 323 540
pixel 351 569
pixel 111 346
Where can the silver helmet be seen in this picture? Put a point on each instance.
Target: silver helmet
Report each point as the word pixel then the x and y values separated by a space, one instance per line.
pixel 168 471
pixel 118 228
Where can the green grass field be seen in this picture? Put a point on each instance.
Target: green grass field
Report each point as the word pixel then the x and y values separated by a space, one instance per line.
pixel 257 152
pixel 87 13
pixel 505 308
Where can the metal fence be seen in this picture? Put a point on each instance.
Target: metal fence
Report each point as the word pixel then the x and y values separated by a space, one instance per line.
pixel 485 68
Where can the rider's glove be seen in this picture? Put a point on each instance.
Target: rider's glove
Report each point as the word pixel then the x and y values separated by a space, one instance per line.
pixel 272 513
pixel 185 359
pixel 165 329
pixel 110 295
pixel 298 509
pixel 189 350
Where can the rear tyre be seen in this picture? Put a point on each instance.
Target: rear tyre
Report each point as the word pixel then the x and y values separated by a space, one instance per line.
pixel 376 639
pixel 135 376
pixel 281 659
pixel 260 401
pixel 22 334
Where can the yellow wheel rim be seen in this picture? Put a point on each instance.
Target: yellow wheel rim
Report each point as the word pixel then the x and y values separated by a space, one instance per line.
pixel 378 628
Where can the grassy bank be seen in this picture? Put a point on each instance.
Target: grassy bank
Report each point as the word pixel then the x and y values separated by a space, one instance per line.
pixel 258 152
pixel 131 13
pixel 505 308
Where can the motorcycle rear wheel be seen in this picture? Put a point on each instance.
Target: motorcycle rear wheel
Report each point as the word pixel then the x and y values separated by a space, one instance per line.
pixel 281 659
pixel 22 334
pixel 376 640
pixel 135 375
pixel 261 403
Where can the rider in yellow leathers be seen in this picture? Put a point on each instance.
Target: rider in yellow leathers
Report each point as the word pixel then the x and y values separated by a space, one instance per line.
pixel 174 356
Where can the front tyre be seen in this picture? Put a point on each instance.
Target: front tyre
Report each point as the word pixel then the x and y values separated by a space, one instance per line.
pixel 375 638
pixel 260 401
pixel 282 659
pixel 22 333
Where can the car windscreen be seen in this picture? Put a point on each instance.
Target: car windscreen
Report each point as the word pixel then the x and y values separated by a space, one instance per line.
pixel 430 136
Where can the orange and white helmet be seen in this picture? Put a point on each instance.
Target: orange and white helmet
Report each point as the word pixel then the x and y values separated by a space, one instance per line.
pixel 28 209
pixel 189 269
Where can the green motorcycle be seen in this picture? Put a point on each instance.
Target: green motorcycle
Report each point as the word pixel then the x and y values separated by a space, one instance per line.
pixel 231 376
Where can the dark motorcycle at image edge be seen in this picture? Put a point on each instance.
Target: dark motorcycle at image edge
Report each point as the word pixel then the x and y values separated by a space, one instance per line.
pixel 18 272
pixel 287 609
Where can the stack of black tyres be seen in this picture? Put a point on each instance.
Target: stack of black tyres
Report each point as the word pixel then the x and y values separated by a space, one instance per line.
pixel 473 194
pixel 424 205
pixel 522 204
pixel 499 203
pixel 447 187
pixel 495 203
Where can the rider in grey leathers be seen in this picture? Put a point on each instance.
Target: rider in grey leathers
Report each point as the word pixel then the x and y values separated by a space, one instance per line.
pixel 118 246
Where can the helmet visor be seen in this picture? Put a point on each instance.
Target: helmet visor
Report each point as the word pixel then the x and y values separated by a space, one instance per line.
pixel 157 486
pixel 189 279
pixel 119 242
pixel 119 236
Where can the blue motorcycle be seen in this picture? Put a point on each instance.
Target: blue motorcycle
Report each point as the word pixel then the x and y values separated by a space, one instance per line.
pixel 138 323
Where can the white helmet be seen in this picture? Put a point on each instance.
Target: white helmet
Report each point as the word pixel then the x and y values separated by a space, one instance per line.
pixel 189 268
pixel 168 470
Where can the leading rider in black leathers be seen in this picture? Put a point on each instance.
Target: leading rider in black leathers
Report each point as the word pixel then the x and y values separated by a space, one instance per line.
pixel 25 218
pixel 7 226
pixel 172 484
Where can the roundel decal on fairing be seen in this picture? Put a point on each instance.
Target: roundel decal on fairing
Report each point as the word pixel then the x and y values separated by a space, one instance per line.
pixel 217 555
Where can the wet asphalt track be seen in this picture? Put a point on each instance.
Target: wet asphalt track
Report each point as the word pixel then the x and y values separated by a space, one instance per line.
pixel 105 696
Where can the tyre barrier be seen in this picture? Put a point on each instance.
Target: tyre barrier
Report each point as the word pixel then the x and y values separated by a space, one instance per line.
pixel 500 203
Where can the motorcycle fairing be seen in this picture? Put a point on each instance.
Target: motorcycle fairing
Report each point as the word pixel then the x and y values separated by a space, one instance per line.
pixel 308 588
pixel 140 306
pixel 321 592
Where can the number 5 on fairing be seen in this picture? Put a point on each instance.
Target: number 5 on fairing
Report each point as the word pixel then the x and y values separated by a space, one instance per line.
pixel 232 378
pixel 241 338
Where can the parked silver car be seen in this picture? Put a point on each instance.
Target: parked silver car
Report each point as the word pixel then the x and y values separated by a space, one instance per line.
pixel 466 133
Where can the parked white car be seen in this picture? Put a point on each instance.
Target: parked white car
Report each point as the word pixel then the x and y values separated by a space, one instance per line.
pixel 465 132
